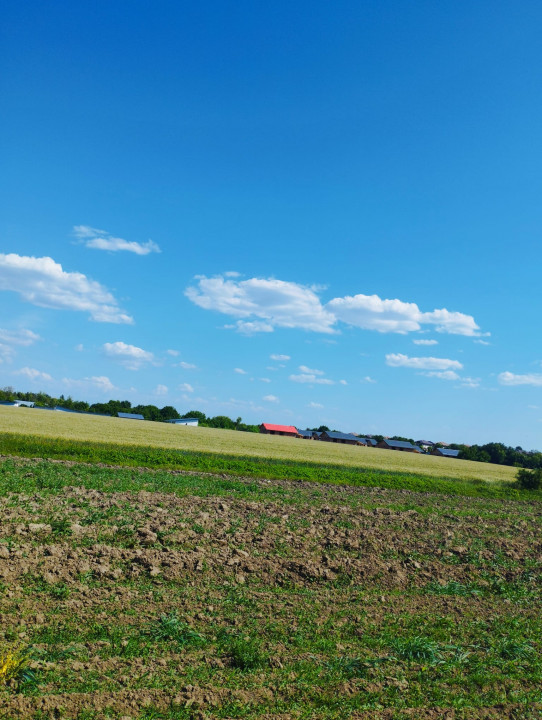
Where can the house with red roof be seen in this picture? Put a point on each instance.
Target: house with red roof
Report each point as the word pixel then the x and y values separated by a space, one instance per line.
pixel 269 429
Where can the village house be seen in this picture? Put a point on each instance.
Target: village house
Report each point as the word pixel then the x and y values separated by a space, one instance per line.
pixel 287 430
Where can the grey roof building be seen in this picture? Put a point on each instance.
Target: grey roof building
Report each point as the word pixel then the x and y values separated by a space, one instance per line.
pixel 445 452
pixel 401 445
pixel 339 437
pixel 130 416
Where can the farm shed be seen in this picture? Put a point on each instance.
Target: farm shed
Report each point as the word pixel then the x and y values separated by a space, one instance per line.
pixel 269 429
pixel 371 442
pixel 338 437
pixel 130 416
pixel 305 434
pixel 445 452
pixel 400 445
pixel 193 422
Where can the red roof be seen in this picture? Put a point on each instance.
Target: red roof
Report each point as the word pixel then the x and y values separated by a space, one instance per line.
pixel 280 428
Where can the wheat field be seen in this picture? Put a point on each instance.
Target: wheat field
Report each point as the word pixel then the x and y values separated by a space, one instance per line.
pixel 164 435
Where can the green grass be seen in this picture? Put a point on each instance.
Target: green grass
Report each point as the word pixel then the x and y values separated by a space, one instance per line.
pixel 166 459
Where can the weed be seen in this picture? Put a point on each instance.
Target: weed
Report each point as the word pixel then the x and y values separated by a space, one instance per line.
pixel 61 527
pixel 245 653
pixel 171 627
pixel 15 666
pixel 59 591
pixel 417 649
pixel 514 649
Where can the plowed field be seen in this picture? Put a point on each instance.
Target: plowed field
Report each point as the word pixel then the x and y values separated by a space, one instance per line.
pixel 242 598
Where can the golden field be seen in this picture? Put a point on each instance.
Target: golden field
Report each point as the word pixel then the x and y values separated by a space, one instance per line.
pixel 133 432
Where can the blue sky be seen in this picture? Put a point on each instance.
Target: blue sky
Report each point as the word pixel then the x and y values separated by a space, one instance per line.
pixel 303 212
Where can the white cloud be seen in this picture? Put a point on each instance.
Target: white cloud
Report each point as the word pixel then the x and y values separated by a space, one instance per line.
pixel 470 382
pixel 310 371
pixel 265 380
pixel 7 353
pixel 161 390
pixel 249 328
pixel 370 312
pixel 173 353
pixel 102 383
pixel 186 387
pixel 18 337
pixel 280 358
pixel 240 371
pixel 422 363
pixel 343 382
pixel 79 348
pixel 425 342
pixel 482 342
pixel 130 356
pixel 9 339
pixel 43 282
pixel 443 374
pixel 508 378
pixel 315 405
pixel 185 365
pixel 271 398
pixel 102 240
pixel 368 379
pixel 307 378
pixel 276 302
pixel 33 374
pixel 265 303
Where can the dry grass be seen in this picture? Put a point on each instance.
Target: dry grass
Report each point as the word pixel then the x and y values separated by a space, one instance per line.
pixel 163 435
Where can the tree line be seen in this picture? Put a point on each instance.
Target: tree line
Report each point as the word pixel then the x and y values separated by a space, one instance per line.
pixel 500 454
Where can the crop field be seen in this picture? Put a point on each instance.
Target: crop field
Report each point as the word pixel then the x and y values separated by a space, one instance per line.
pixel 138 594
pixel 150 571
pixel 69 426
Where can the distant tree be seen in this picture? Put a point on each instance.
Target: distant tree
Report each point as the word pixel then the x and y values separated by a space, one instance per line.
pixel 221 421
pixel 195 414
pixel 149 412
pixel 168 412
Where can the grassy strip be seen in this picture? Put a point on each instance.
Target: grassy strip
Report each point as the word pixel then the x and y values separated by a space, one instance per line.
pixel 165 459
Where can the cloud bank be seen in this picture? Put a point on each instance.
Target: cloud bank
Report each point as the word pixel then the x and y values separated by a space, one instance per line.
pixel 263 304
